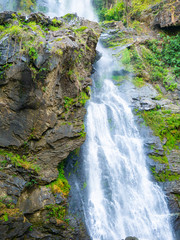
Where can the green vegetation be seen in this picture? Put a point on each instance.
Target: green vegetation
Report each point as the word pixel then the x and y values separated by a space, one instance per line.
pixel 56 22
pixel 165 125
pixel 121 9
pixel 126 58
pixel 18 161
pixel 165 175
pixel 160 159
pixel 53 28
pixel 57 211
pixel 83 133
pixel 169 53
pixel 140 5
pixel 138 82
pixel 114 13
pixel 83 97
pixel 69 102
pixel 7 209
pixel 81 29
pixel 61 185
pixel 33 53
pixel 153 63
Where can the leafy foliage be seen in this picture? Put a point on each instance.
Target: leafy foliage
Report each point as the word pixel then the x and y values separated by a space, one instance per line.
pixel 165 175
pixel 114 13
pixel 165 125
pixel 139 5
pixel 19 161
pixel 57 211
pixel 61 185
pixel 169 53
pixel 157 58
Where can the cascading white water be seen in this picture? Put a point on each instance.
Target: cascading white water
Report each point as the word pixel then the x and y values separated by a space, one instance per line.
pixel 82 8
pixel 122 201
pixel 8 5
pixel 62 7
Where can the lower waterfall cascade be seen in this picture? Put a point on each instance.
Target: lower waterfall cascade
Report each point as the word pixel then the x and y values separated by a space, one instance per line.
pixel 119 199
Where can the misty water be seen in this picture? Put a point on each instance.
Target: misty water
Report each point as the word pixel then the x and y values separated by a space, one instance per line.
pixel 117 197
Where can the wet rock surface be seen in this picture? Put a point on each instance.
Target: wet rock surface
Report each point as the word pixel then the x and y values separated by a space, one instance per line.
pixel 45 68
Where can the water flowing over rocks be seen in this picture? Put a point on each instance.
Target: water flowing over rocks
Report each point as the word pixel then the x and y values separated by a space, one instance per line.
pixel 45 68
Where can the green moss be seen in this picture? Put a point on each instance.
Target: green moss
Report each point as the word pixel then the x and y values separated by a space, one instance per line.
pixel 19 161
pixel 126 59
pixel 83 97
pixel 83 133
pixel 160 159
pixel 56 22
pixel 7 209
pixel 138 82
pixel 33 53
pixel 140 5
pixel 59 52
pixel 61 185
pixel 68 103
pixel 69 16
pixel 81 29
pixel 53 28
pixel 57 211
pixel 118 79
pixel 165 175
pixel 165 125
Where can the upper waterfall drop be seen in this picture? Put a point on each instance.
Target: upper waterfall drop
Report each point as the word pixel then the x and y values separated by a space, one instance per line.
pixel 83 8
pixel 56 8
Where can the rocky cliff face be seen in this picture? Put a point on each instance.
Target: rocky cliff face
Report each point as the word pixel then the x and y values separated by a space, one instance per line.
pixel 45 73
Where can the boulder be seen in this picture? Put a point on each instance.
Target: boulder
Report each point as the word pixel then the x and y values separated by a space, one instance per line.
pixel 169 16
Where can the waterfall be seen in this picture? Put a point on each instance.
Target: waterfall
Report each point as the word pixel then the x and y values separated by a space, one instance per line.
pixel 121 200
pixel 118 199
pixel 8 5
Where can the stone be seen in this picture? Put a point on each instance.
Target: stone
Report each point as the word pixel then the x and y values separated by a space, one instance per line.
pixel 36 200
pixel 14 227
pixel 131 238
pixel 169 16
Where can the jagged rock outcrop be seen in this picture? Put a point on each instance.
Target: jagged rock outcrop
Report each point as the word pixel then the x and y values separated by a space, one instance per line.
pixel 45 69
pixel 164 14
pixel 169 16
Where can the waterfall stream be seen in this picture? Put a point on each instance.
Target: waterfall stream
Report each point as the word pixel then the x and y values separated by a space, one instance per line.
pixel 118 199
pixel 121 200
